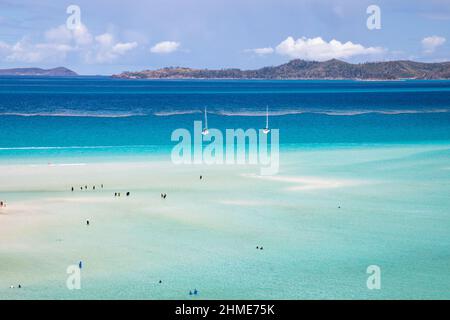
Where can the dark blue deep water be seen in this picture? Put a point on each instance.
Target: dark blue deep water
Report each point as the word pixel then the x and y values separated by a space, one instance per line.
pixel 100 111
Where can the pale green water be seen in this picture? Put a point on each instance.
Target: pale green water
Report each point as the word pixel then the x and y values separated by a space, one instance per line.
pixel 395 213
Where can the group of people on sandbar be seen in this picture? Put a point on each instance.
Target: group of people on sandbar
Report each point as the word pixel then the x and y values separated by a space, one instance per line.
pixel 2 204
pixel 87 188
pixel 163 195
pixel 195 292
pixel 117 194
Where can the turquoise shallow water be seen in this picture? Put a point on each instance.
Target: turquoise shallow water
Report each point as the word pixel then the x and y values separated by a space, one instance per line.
pixel 393 213
pixel 380 151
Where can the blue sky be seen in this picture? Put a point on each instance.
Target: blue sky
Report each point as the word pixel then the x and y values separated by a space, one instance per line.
pixel 133 35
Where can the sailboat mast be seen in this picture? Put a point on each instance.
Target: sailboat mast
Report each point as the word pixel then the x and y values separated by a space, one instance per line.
pixel 206 119
pixel 267 116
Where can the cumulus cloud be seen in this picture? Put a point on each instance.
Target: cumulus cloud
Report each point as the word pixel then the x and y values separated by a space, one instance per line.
pixel 60 41
pixel 165 47
pixel 59 35
pixel 79 36
pixel 107 49
pixel 430 44
pixel 121 48
pixel 320 50
pixel 261 51
pixel 28 52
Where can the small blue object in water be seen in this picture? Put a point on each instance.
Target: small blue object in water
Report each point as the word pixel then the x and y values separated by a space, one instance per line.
pixel 195 291
pixel 80 264
pixel 190 293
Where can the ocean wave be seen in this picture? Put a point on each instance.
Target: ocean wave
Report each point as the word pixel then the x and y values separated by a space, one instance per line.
pixel 325 112
pixel 176 112
pixel 228 113
pixel 74 114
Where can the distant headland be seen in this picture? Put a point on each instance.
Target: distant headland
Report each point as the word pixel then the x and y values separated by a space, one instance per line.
pixel 301 69
pixel 295 69
pixel 57 72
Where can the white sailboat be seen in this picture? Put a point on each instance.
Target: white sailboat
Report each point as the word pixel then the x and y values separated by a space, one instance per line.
pixel 205 130
pixel 266 130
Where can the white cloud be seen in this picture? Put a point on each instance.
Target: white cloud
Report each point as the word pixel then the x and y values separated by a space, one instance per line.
pixel 122 47
pixel 261 51
pixel 105 39
pixel 59 35
pixel 60 41
pixel 431 43
pixel 320 50
pixel 26 51
pixel 79 36
pixel 106 49
pixel 165 47
pixel 82 35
